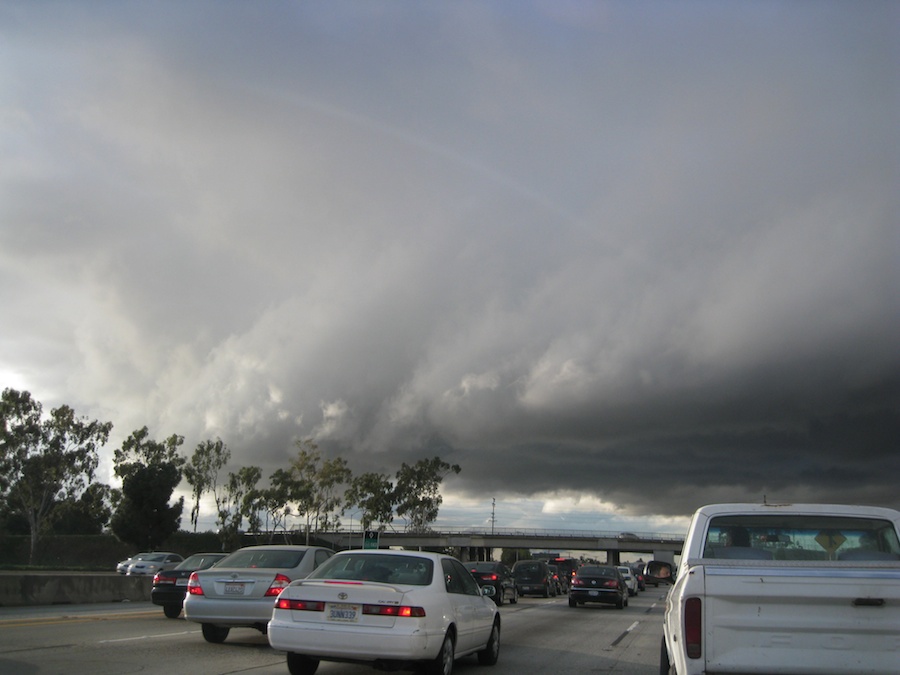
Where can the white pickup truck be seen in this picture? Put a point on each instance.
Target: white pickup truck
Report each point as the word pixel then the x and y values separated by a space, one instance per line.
pixel 792 588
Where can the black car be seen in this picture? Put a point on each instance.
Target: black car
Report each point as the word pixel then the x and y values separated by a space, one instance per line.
pixel 598 583
pixel 533 577
pixel 169 586
pixel 499 576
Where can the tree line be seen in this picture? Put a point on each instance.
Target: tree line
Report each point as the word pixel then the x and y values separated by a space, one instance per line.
pixel 48 486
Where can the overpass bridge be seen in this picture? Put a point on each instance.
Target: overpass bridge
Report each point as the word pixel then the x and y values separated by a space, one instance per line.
pixel 473 543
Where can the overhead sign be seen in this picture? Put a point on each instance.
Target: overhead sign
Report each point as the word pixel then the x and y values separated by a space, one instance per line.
pixel 370 539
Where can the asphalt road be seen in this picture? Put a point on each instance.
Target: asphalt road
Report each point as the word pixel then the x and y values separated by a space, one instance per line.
pixel 539 636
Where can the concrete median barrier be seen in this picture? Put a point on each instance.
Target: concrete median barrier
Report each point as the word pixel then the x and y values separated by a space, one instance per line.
pixel 60 588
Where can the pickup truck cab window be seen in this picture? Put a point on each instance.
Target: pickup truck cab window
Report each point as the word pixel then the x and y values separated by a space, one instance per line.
pixel 800 537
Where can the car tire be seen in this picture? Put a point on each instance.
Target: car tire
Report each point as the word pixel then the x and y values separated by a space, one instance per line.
pixel 489 655
pixel 498 596
pixel 442 664
pixel 515 597
pixel 172 611
pixel 620 603
pixel 213 633
pixel 546 592
pixel 665 668
pixel 572 603
pixel 299 664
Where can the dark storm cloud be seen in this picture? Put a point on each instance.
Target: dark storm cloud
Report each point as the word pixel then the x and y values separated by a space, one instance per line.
pixel 642 256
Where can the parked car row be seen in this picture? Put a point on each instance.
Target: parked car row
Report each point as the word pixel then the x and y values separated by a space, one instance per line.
pixel 148 563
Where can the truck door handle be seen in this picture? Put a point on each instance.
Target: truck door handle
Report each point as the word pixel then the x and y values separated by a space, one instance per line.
pixel 868 602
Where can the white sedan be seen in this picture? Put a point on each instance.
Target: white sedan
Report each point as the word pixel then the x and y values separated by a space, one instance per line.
pixel 631 582
pixel 388 609
pixel 241 589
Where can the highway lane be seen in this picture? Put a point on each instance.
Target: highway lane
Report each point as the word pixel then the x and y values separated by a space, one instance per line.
pixel 539 635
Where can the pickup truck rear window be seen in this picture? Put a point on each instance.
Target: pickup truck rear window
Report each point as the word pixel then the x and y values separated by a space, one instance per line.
pixel 800 537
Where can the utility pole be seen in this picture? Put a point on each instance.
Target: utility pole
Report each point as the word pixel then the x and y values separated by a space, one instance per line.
pixel 493 513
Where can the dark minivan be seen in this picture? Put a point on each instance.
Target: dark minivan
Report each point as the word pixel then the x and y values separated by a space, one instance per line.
pixel 533 577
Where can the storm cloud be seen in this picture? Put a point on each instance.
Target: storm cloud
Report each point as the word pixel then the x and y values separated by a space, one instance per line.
pixel 642 255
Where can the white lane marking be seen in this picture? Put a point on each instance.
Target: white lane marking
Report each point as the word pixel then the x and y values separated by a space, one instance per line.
pixel 149 637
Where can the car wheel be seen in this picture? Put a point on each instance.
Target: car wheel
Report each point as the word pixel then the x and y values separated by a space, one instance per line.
pixel 620 602
pixel 665 668
pixel 489 655
pixel 498 596
pixel 213 633
pixel 298 664
pixel 572 603
pixel 546 592
pixel 515 597
pixel 442 664
pixel 172 611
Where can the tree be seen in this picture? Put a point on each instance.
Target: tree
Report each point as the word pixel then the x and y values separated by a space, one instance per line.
pixel 314 485
pixel 44 460
pixel 144 517
pixel 202 471
pixel 232 502
pixel 417 491
pixel 373 493
pixel 86 515
pixel 138 451
pixel 275 500
pixel 150 472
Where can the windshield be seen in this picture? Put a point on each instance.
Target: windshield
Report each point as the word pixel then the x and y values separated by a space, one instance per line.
pixel 266 557
pixel 200 561
pixel 801 537
pixel 392 569
pixel 591 571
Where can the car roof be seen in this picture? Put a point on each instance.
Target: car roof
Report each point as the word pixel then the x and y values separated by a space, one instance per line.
pixel 388 552
pixel 278 547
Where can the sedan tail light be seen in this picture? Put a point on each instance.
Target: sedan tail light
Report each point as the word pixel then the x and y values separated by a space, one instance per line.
pixel 193 586
pixel 406 611
pixel 279 584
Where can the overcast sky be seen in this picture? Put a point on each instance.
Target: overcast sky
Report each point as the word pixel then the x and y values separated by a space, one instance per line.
pixel 615 259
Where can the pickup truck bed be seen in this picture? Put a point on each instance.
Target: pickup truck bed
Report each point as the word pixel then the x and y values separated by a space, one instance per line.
pixel 770 612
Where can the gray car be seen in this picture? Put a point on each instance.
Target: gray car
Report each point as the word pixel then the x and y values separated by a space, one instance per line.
pixel 241 589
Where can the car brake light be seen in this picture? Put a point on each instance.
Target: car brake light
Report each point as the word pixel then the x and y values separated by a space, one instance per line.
pixel 394 610
pixel 299 605
pixel 611 583
pixel 159 580
pixel 193 586
pixel 278 584
pixel 693 627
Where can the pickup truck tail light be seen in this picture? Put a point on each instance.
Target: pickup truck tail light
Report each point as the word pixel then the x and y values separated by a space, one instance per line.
pixel 693 627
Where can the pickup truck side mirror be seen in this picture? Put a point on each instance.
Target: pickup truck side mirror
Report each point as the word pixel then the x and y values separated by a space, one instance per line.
pixel 659 572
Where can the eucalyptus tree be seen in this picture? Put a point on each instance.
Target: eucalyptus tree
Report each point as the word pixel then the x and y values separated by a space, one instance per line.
pixel 417 491
pixel 202 472
pixel 315 484
pixel 373 494
pixel 44 460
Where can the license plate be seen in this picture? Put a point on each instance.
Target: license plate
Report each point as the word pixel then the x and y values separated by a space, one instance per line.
pixel 343 613
pixel 181 582
pixel 234 589
pixel 594 593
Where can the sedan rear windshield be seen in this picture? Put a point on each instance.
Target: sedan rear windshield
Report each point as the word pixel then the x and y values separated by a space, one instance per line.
pixel 270 558
pixel 801 537
pixel 591 571
pixel 391 569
